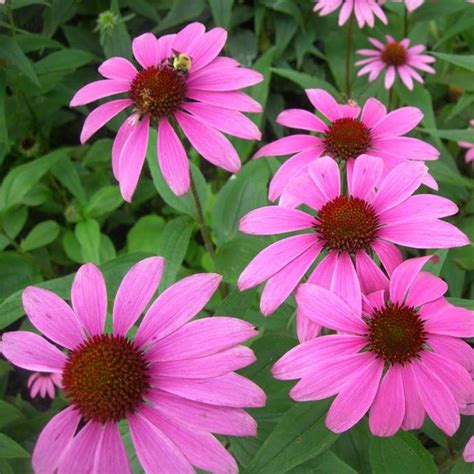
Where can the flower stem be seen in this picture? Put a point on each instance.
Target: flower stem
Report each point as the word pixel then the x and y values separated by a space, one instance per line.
pixel 206 237
pixel 390 98
pixel 348 56
pixel 405 23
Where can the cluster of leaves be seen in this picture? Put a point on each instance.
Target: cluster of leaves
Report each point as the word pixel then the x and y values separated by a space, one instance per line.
pixel 60 206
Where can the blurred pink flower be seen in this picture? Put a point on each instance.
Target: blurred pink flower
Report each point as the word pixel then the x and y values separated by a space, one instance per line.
pixel 376 214
pixel 182 78
pixel 349 134
pixel 173 382
pixel 364 10
pixel 43 383
pixel 469 449
pixel 399 356
pixel 397 58
pixel 411 5
pixel 470 147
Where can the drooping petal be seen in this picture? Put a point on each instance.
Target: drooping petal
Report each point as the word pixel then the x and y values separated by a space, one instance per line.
pixel 370 275
pixel 453 348
pixel 449 320
pixel 398 122
pixel 301 119
pixel 233 100
pixel 345 282
pixel 89 298
pixel 366 176
pixel 414 410
pixel 412 148
pixel 288 145
pixel 324 102
pixel 427 287
pixel 224 78
pixel 389 255
pixel 111 457
pixel 325 174
pixel 123 133
pixel 98 90
pixel 135 292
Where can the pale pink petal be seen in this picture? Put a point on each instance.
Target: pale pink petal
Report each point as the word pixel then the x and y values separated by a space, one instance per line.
pixel 233 100
pixel 468 454
pixel 145 50
pixel 118 69
pixel 32 352
pixel 210 143
pixel 328 309
pixel 388 409
pixel 231 390
pixel 414 410
pixel 371 277
pixel 98 90
pixel 345 282
pixel 207 47
pixel 398 122
pixel 53 441
pixel 275 220
pixel 356 396
pixel 81 451
pixel 89 298
pixel 200 448
pixel 156 452
pixel 132 157
pixel 201 338
pixel 324 103
pixel 301 119
pixel 289 145
pixel 172 158
pixel 32 378
pixel 280 285
pixel 376 70
pixel 453 348
pixel 176 306
pixel 325 174
pixel 366 176
pixel 345 12
pixel 273 258
pixel 111 457
pixel 101 115
pixel 135 292
pixel 216 419
pixel 378 44
pixel 227 121
pixel 389 77
pixel 436 398
pixel 52 316
pixel 427 287
pixel 389 255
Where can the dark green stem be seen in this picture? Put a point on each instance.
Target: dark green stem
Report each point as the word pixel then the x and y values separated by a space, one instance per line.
pixel 390 98
pixel 348 56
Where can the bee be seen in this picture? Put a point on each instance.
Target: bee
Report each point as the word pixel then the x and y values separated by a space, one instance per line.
pixel 349 101
pixel 181 62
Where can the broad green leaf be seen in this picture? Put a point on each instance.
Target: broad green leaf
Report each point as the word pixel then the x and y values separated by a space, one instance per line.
pixel 11 309
pixel 103 201
pixel 462 60
pixel 463 23
pixel 461 467
pixel 14 220
pixel 181 12
pixel 41 235
pixel 301 435
pixel 10 449
pixel 173 246
pixel 118 41
pixel 4 142
pixel 21 179
pixel 454 135
pixel 66 173
pixel 17 271
pixel 145 235
pixel 26 3
pixel 469 304
pixel 221 12
pixel 88 235
pixel 9 414
pixel 435 267
pixel 12 53
pixel 33 42
pixel 400 454
pixel 325 463
pixel 305 80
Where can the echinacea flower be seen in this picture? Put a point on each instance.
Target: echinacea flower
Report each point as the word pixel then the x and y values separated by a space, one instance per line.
pixel 43 384
pixel 398 357
pixel 470 147
pixel 173 381
pixel 396 57
pixel 181 82
pixel 349 134
pixel 410 5
pixel 373 216
pixel 468 454
pixel 364 10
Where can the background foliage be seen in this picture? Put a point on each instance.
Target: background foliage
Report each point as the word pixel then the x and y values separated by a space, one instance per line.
pixel 60 205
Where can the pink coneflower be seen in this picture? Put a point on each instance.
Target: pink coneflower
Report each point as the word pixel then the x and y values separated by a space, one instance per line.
pixel 374 215
pixel 400 356
pixel 173 382
pixel 397 58
pixel 349 134
pixel 43 384
pixel 364 10
pixel 182 82
pixel 468 454
pixel 410 5
pixel 470 147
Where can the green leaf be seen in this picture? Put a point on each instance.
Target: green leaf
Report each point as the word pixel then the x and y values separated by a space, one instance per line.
pixel 88 235
pixel 10 449
pixel 9 414
pixel 145 234
pixel 63 62
pixel 325 463
pixel 299 436
pixel 17 271
pixel 400 454
pixel 181 11
pixel 66 173
pixel 42 234
pixel 454 135
pixel 463 23
pixel 221 12
pixel 435 267
pixel 12 53
pixel 14 220
pixel 469 304
pixel 173 247
pixel 103 201
pixel 305 80
pixel 4 141
pixel 462 60
pixel 21 179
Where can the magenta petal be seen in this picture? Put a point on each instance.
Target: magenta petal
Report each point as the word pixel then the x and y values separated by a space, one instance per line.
pixel 51 315
pixel 224 78
pixel 414 410
pixel 32 352
pixel 135 292
pixel 398 122
pixel 210 143
pixel 366 175
pixel 388 409
pixel 233 100
pixel 185 40
pixel 111 457
pixel 306 329
pixel 89 298
pixel 468 454
pixel 145 50
pixel 389 255
pixel 98 90
pixel 118 69
pixel 207 47
pixel 370 275
pixel 345 282
pixel 156 452
pixel 453 348
pixel 174 163
pixel 325 174
pixel 427 287
pixel 132 157
pixel 176 306
pixel 373 112
pixel 412 148
pixel 126 129
pixel 289 145
pixel 53 440
pixel 449 321
pixel 301 119
pixel 324 103
pixel 356 397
